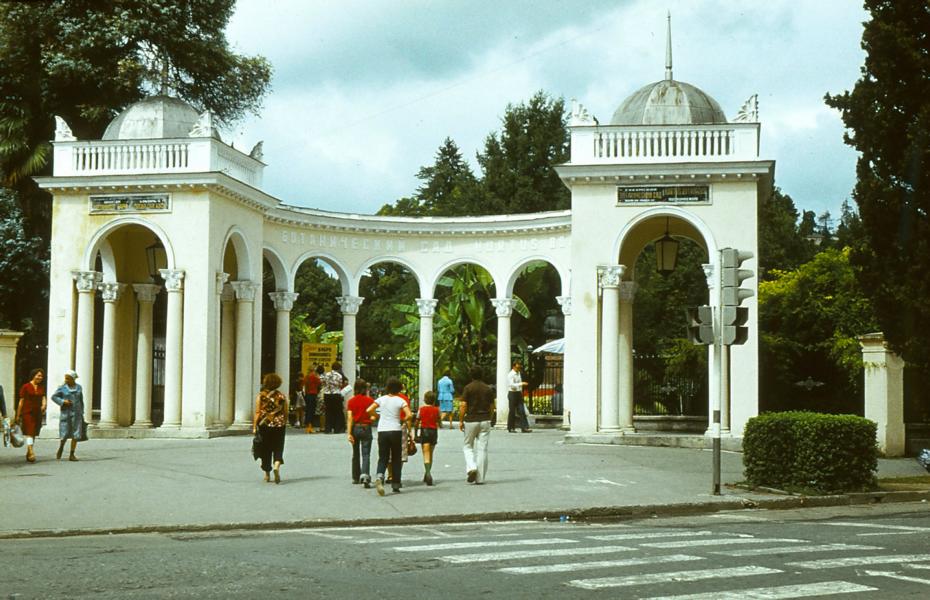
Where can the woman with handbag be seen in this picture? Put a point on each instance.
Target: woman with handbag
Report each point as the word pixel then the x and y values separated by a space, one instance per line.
pixel 30 409
pixel 270 422
pixel 428 418
pixel 70 397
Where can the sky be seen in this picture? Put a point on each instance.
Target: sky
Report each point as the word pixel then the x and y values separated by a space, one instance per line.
pixel 365 91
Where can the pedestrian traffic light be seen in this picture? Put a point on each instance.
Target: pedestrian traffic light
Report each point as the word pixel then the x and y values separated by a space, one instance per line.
pixel 700 325
pixel 733 317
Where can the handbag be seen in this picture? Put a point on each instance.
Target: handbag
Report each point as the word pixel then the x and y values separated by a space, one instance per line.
pixel 411 447
pixel 257 443
pixel 17 439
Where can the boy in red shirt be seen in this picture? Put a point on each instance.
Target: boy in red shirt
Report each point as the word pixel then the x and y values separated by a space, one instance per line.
pixel 428 422
pixel 358 424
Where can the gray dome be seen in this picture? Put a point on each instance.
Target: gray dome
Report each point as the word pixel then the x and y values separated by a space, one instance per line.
pixel 158 117
pixel 668 102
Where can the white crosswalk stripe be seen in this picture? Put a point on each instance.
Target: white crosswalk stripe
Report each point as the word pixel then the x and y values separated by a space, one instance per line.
pixel 878 526
pixel 617 537
pixel 784 592
pixel 795 549
pixel 484 544
pixel 521 554
pixel 598 564
pixel 860 561
pixel 677 576
pixel 722 542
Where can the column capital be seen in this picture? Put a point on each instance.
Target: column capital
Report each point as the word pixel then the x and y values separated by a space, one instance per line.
pixel 709 271
pixel 609 276
pixel 86 281
pixel 146 292
pixel 174 279
pixel 245 290
pixel 110 291
pixel 227 293
pixel 221 279
pixel 349 305
pixel 283 300
pixel 628 291
pixel 503 306
pixel 566 303
pixel 427 307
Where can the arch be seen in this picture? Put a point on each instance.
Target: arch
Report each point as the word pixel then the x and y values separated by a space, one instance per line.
pixel 397 261
pixel 462 260
pixel 236 236
pixel 282 282
pixel 700 227
pixel 99 243
pixel 349 286
pixel 525 262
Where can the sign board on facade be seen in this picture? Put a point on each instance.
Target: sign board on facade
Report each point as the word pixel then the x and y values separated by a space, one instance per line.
pixel 129 203
pixel 643 194
pixel 312 355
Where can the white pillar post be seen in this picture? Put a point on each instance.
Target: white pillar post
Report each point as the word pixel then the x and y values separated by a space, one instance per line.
pixel 627 292
pixel 884 393
pixel 349 306
pixel 714 362
pixel 227 355
pixel 245 297
pixel 427 308
pixel 86 283
pixel 609 280
pixel 8 342
pixel 145 296
pixel 174 285
pixel 283 304
pixel 504 309
pixel 566 303
pixel 110 294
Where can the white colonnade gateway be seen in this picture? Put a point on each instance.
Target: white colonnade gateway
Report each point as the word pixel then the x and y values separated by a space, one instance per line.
pixel 164 228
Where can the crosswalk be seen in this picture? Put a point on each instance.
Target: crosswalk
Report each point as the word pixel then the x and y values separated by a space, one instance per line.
pixel 647 563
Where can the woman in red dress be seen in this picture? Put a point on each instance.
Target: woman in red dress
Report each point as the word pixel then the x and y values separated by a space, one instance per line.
pixel 30 409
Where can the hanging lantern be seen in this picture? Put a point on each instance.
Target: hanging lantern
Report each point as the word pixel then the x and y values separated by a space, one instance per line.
pixel 666 253
pixel 157 259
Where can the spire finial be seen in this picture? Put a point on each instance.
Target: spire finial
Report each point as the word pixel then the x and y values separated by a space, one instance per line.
pixel 668 49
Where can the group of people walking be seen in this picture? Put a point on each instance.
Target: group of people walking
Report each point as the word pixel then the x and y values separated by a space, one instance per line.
pixel 30 407
pixel 399 429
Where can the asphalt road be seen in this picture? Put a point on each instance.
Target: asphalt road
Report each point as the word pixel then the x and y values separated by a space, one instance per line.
pixel 868 552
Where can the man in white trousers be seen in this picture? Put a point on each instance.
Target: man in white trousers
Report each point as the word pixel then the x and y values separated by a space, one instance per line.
pixel 475 413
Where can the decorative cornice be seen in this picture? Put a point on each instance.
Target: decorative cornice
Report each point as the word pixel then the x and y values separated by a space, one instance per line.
pixel 503 306
pixel 566 303
pixel 245 290
pixel 283 301
pixel 174 279
pixel 145 292
pixel 427 307
pixel 86 281
pixel 349 305
pixel 609 276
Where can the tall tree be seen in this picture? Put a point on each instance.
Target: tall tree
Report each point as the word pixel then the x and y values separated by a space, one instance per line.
pixel 781 242
pixel 887 115
pixel 449 187
pixel 517 162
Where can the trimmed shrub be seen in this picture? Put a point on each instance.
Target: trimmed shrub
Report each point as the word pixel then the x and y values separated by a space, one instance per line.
pixel 813 451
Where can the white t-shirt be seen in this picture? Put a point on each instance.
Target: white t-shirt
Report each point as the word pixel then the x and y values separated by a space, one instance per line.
pixel 514 381
pixel 390 409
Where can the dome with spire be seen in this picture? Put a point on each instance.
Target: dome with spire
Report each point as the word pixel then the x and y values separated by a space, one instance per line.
pixel 156 117
pixel 668 102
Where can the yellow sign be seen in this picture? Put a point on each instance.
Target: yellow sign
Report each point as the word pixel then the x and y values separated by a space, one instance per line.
pixel 312 355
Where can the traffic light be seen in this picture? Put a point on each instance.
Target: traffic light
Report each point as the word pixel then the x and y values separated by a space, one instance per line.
pixel 700 325
pixel 733 317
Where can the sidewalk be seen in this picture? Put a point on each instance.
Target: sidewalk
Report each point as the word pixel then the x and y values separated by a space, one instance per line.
pixel 137 485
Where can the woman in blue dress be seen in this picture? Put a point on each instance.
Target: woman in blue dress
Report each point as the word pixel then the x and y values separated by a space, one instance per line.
pixel 445 390
pixel 70 396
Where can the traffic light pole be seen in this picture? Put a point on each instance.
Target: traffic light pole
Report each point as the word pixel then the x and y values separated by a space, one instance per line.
pixel 715 425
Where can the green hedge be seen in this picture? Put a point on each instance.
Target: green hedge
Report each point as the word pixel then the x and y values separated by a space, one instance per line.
pixel 810 451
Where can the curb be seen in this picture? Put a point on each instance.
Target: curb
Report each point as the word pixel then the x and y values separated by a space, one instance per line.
pixel 574 514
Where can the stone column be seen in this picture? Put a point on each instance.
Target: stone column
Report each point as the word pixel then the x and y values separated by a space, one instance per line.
pixel 566 303
pixel 427 308
pixel 227 355
pixel 349 306
pixel 110 293
pixel 884 393
pixel 145 296
pixel 174 285
pixel 283 304
pixel 609 280
pixel 86 283
pixel 504 308
pixel 627 292
pixel 8 341
pixel 245 296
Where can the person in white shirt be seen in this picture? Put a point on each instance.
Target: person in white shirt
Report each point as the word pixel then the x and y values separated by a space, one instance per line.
pixel 393 412
pixel 515 385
